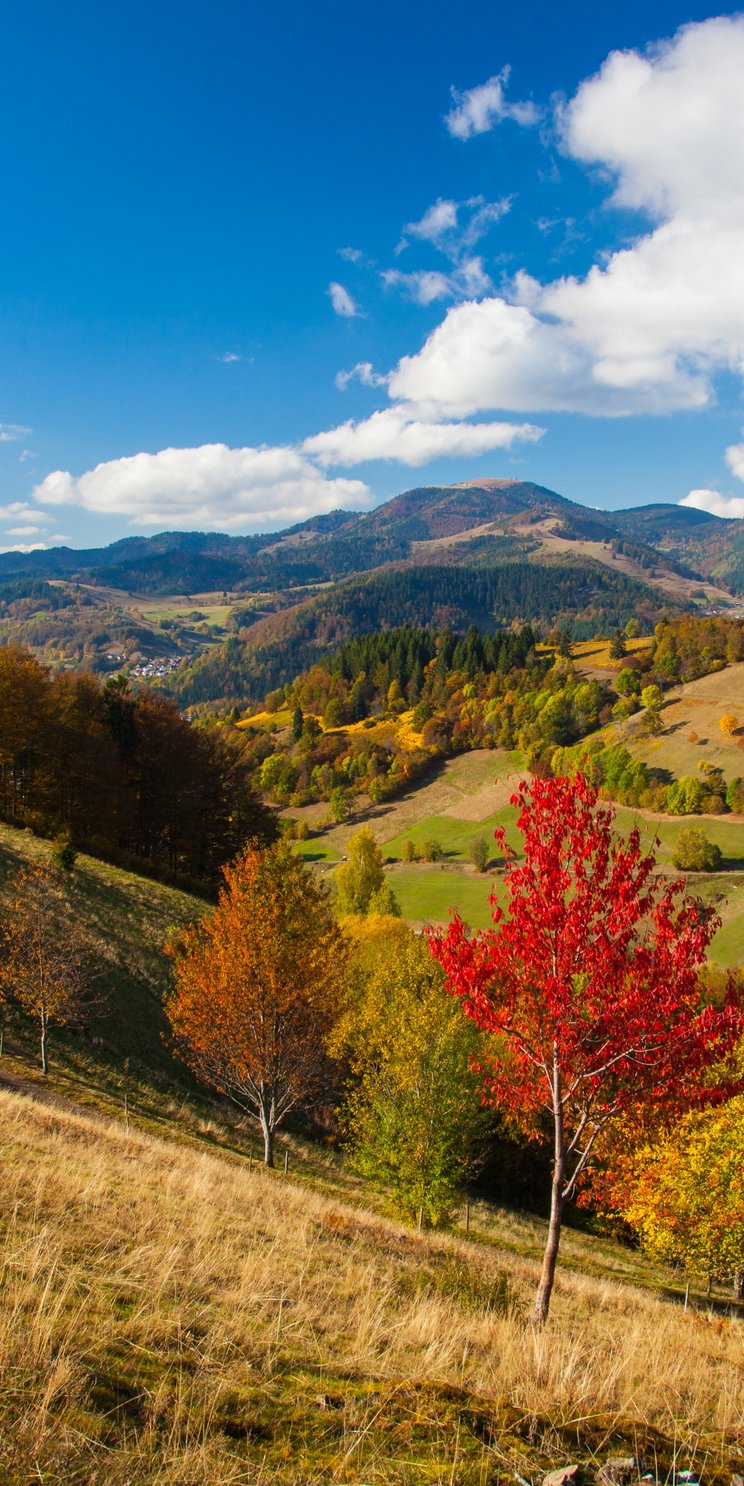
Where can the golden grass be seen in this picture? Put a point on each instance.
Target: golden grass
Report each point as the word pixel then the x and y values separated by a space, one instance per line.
pixel 172 1319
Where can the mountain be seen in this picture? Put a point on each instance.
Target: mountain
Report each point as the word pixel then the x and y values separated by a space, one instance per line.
pixel 486 551
pixel 429 523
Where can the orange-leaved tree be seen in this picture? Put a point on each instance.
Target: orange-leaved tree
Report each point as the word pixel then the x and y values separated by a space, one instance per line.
pixel 257 988
pixel 45 965
pixel 588 986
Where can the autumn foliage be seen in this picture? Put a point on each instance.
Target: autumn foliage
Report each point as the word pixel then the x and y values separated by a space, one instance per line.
pixel 257 988
pixel 45 968
pixel 587 984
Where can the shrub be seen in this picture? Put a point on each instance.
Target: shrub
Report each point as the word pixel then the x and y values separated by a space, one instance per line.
pixel 479 853
pixel 408 851
pixel 432 851
pixel 695 853
pixel 65 851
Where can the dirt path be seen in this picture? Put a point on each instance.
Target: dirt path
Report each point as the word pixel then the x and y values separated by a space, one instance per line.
pixel 42 1095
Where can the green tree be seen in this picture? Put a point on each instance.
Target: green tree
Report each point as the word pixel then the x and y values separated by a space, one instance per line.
pixel 479 853
pixel 628 682
pixel 408 850
pixel 432 850
pixel 694 852
pixel 361 876
pixel 651 699
pixel 413 1112
pixel 617 645
pixel 685 796
pixel 383 903
pixel 339 804
pixel 297 722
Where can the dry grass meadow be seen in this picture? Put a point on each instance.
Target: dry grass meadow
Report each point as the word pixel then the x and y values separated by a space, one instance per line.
pixel 172 1318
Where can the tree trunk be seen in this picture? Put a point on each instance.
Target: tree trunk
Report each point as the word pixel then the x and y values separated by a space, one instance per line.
pixel 268 1135
pixel 739 1284
pixel 44 1057
pixel 550 1255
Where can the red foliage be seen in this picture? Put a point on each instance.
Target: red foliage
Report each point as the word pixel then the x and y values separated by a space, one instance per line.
pixel 588 980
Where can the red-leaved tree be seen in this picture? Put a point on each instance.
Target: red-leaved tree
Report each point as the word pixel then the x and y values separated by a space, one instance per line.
pixel 588 985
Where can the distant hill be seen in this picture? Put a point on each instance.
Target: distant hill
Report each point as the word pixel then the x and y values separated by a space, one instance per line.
pixel 316 582
pixel 269 652
pixel 328 548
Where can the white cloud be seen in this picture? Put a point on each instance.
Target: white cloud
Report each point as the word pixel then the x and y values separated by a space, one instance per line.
pixel 19 510
pixel 395 433
pixel 429 285
pixel 343 302
pixel 649 326
pixel 479 109
pixel 211 486
pixel 729 506
pixel 25 531
pixel 229 357
pixel 454 227
pixel 493 354
pixel 11 432
pixel 435 226
pixel 735 460
pixel 363 372
pixel 351 255
pixel 25 547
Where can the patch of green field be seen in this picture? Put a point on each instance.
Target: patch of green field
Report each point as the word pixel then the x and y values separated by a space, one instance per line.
pixel 454 836
pixel 725 833
pixel 428 895
pixel 317 849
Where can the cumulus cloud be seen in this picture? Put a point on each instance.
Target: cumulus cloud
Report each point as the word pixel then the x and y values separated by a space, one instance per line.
pixel 343 302
pixel 735 460
pixel 211 486
pixel 478 110
pixel 396 433
pixel 25 547
pixel 716 504
pixel 649 326
pixel 494 354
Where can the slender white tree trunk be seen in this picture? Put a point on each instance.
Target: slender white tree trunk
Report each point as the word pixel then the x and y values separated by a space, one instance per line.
pixel 550 1254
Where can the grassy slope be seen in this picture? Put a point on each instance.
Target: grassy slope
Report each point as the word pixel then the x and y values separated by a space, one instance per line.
pixel 696 707
pixel 128 919
pixel 202 1323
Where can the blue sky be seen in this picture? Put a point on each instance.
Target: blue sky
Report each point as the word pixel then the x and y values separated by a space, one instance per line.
pixel 259 261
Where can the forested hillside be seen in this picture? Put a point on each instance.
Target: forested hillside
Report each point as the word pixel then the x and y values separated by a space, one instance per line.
pixel 270 652
pixel 122 774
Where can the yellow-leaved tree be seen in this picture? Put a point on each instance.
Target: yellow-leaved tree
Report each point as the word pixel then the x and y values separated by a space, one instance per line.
pixel 413 1111
pixel 683 1193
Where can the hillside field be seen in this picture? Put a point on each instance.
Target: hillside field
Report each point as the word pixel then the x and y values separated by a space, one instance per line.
pixel 282 1335
pixel 696 708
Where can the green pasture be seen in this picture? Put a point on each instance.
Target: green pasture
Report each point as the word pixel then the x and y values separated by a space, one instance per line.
pixel 428 895
pixel 317 849
pixel 726 833
pixel 454 836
